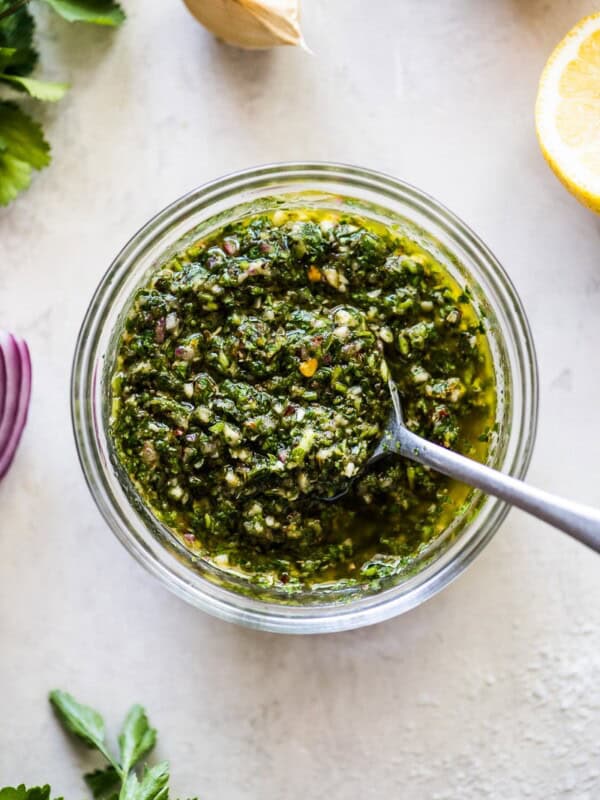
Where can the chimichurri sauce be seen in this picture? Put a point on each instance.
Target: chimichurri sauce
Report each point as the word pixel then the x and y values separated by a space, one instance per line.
pixel 251 380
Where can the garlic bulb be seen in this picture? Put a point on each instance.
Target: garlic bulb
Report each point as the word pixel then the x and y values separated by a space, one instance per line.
pixel 254 24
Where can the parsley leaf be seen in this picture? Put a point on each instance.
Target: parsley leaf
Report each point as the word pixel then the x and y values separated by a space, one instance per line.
pixel 83 721
pixel 17 58
pixel 6 56
pixel 16 32
pixel 15 176
pixel 114 782
pixel 98 12
pixel 153 786
pixel 22 144
pixel 22 793
pixel 137 738
pixel 22 137
pixel 22 149
pixel 40 90
pixel 103 783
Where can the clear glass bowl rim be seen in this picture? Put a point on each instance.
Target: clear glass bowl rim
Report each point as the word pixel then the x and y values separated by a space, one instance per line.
pixel 155 557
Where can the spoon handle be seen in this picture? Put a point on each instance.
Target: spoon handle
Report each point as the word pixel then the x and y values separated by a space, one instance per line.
pixel 579 521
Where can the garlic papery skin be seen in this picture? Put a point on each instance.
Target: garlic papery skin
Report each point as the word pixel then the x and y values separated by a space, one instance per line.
pixel 252 24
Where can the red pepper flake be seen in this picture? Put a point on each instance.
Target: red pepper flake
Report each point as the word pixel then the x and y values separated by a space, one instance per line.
pixel 178 432
pixel 289 411
pixel 284 577
pixel 189 537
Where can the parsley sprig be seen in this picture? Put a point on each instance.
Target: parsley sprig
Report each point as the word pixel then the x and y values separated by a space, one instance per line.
pixel 23 147
pixel 22 793
pixel 120 779
pixel 123 778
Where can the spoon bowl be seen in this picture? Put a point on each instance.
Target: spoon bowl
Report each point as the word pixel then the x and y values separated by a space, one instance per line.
pixel 579 521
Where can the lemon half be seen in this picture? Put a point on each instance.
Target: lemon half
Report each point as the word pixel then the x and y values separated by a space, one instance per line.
pixel 567 111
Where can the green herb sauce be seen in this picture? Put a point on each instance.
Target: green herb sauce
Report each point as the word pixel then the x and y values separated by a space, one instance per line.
pixel 251 380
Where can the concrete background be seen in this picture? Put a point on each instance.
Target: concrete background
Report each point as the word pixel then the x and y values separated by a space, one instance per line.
pixel 489 690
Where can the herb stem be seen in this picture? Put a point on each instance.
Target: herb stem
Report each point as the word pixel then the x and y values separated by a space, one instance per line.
pixel 112 761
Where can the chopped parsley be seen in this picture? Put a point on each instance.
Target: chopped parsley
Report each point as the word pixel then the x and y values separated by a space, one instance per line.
pixel 251 379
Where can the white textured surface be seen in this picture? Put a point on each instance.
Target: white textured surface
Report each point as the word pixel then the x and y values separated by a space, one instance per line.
pixel 489 690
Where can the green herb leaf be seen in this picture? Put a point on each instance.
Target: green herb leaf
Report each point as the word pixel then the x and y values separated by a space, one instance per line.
pixel 83 721
pixel 41 90
pixel 97 12
pixel 103 783
pixel 6 56
pixel 137 738
pixel 130 789
pixel 154 784
pixel 22 137
pixel 15 177
pixel 22 144
pixel 22 793
pixel 22 149
pixel 16 32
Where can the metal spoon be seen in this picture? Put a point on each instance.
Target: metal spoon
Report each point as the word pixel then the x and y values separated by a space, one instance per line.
pixel 579 521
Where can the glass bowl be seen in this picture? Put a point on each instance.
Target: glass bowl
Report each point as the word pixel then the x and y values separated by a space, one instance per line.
pixel 324 185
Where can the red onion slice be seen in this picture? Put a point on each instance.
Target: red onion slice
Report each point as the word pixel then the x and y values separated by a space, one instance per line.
pixel 2 385
pixel 12 362
pixel 15 388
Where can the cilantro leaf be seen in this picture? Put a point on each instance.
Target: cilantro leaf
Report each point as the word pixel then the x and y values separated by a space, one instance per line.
pixel 103 783
pixel 40 90
pixel 98 12
pixel 83 721
pixel 16 32
pixel 137 738
pixel 22 149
